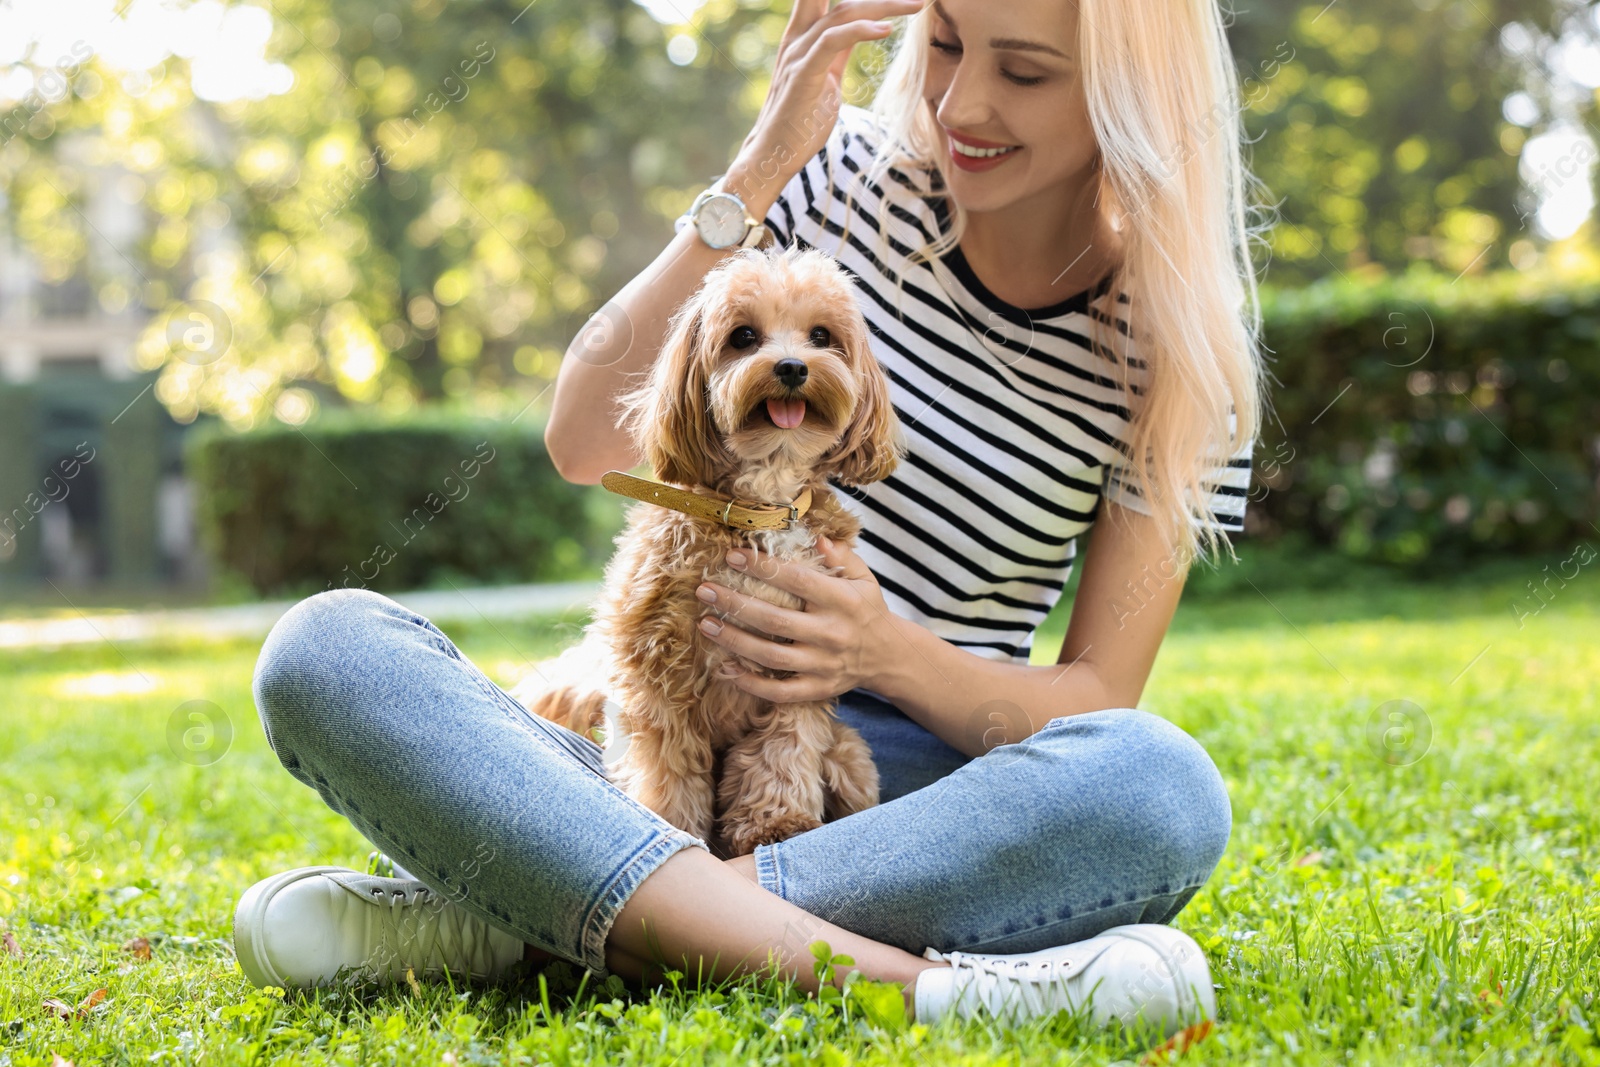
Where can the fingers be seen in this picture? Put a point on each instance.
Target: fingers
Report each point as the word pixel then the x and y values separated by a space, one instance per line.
pixel 849 24
pixel 855 10
pixel 784 690
pixel 836 68
pixel 753 613
pixel 807 14
pixel 752 647
pixel 801 580
pixel 824 47
pixel 804 15
pixel 840 560
pixel 802 104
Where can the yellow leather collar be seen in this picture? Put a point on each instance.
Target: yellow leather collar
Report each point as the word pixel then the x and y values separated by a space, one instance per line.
pixel 747 515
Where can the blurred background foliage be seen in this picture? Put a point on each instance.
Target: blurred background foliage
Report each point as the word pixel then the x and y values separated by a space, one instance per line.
pixel 443 192
pixel 446 497
pixel 1433 419
pixel 420 202
pixel 430 210
pixel 1433 422
pixel 1382 129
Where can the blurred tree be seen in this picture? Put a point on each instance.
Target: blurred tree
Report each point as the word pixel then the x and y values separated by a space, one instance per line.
pixel 1378 129
pixel 435 205
pixel 447 189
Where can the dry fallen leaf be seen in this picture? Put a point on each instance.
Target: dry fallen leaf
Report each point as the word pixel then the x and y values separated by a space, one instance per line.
pixel 56 1060
pixel 140 947
pixel 1177 1043
pixel 411 980
pixel 57 1008
pixel 63 1011
pixel 11 946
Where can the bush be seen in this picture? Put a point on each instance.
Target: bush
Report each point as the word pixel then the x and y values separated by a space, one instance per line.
pixel 360 500
pixel 1418 422
pixel 1422 421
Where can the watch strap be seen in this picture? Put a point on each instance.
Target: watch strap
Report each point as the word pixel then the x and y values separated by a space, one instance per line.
pixel 755 235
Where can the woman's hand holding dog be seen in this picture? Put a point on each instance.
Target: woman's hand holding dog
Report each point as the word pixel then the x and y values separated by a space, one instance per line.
pixel 839 642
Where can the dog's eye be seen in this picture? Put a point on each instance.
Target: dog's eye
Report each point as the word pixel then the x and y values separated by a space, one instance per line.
pixel 820 337
pixel 742 337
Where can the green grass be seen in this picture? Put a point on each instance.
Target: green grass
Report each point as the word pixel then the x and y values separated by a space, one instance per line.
pixel 1384 899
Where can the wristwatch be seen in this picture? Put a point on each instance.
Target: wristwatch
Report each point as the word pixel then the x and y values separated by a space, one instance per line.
pixel 722 221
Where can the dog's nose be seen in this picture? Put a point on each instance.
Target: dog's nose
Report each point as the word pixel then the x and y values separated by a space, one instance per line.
pixel 791 372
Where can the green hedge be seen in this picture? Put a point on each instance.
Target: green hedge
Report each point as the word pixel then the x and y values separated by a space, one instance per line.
pixel 359 500
pixel 1419 422
pixel 1423 421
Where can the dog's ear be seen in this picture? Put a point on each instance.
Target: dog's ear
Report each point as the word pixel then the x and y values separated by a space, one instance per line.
pixel 669 416
pixel 871 446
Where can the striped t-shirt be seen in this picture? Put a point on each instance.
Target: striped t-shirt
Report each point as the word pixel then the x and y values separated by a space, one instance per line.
pixel 1012 423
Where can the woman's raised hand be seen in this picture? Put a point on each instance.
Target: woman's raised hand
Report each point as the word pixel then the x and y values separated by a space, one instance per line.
pixel 803 101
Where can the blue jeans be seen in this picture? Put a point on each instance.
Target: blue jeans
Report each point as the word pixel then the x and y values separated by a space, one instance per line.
pixel 1094 821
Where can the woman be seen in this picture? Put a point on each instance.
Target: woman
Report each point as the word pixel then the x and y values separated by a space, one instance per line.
pixel 1038 188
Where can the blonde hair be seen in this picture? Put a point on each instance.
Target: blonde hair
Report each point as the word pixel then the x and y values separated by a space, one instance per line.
pixel 1164 103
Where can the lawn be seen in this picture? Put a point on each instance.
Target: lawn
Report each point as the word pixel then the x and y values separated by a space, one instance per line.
pixel 1412 876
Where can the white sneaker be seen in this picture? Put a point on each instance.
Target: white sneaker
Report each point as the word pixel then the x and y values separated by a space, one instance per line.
pixel 1141 975
pixel 303 927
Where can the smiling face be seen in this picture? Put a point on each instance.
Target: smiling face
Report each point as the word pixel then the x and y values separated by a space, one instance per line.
pixel 767 372
pixel 1004 88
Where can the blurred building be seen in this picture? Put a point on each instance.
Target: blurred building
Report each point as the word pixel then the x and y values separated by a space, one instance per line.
pixel 91 482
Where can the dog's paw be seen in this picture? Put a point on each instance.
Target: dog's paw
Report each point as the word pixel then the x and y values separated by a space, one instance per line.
pixel 581 711
pixel 743 835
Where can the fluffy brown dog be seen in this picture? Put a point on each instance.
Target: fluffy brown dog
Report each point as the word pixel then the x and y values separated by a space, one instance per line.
pixel 765 387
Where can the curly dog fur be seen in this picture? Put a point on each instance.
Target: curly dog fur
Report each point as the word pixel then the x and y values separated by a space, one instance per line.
pixel 708 757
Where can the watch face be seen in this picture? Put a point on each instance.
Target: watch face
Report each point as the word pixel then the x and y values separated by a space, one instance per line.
pixel 721 221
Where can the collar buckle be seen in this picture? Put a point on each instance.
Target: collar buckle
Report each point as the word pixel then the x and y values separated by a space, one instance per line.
pixel 754 515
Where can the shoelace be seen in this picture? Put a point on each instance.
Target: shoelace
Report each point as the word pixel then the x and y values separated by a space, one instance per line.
pixel 1029 981
pixel 413 934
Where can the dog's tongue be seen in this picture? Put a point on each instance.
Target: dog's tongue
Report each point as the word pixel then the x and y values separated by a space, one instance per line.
pixel 786 413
